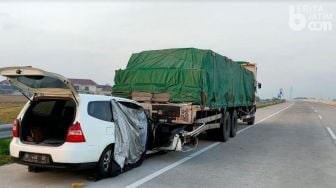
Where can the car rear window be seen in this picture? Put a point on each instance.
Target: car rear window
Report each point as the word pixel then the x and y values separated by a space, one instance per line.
pixel 41 82
pixel 100 110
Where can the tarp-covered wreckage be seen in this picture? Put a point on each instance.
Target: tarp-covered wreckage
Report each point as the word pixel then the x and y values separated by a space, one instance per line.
pixel 130 133
pixel 188 75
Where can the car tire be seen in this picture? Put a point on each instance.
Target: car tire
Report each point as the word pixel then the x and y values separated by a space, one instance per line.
pixel 35 169
pixel 225 127
pixel 107 166
pixel 234 124
pixel 250 121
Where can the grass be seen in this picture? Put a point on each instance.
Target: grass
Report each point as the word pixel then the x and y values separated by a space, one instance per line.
pixel 10 107
pixel 269 103
pixel 4 151
pixel 8 112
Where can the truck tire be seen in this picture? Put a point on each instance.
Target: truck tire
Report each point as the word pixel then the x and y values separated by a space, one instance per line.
pixel 225 127
pixel 234 124
pixel 250 121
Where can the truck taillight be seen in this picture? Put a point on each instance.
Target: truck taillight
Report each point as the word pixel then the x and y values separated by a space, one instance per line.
pixel 16 126
pixel 75 133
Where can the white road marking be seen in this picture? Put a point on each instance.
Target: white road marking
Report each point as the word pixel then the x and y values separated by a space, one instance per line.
pixel 331 133
pixel 320 116
pixel 175 164
pixel 315 111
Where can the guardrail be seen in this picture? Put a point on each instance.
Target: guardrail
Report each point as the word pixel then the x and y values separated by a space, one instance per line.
pixel 5 131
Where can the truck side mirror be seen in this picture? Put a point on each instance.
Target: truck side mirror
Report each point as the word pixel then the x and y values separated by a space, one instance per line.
pixel 259 85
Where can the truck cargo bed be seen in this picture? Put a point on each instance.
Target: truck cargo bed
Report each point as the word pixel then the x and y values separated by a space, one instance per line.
pixel 200 77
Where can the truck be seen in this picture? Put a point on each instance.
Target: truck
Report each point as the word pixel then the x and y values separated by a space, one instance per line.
pixel 189 91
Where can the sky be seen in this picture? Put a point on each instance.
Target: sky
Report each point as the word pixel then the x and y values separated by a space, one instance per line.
pixel 87 39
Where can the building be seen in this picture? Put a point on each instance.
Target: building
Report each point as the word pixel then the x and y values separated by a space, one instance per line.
pixel 90 87
pixel 104 89
pixel 84 85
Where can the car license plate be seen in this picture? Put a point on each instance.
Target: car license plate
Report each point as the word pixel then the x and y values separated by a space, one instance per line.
pixel 36 158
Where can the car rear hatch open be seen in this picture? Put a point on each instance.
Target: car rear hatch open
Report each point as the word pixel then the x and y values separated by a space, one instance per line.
pixel 39 82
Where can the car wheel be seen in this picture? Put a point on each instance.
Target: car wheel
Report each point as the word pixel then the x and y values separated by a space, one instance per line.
pixel 234 122
pixel 225 127
pixel 107 165
pixel 35 169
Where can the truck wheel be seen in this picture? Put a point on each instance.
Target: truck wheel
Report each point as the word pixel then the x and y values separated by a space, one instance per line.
pixel 234 122
pixel 225 127
pixel 107 166
pixel 250 121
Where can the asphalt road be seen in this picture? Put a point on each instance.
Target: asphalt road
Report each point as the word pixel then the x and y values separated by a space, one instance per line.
pixel 291 145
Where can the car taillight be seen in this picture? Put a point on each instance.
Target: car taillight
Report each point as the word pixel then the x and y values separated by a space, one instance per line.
pixel 75 133
pixel 16 126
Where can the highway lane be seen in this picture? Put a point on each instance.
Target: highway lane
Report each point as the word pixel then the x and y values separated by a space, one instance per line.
pixel 326 114
pixel 289 149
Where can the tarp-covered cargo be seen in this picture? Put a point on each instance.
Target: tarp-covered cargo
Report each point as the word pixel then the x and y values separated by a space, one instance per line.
pixel 130 133
pixel 187 75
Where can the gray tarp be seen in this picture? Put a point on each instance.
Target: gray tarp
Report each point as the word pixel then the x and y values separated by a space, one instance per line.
pixel 130 133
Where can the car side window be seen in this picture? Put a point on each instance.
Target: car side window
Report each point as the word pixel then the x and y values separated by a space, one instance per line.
pixel 100 110
pixel 130 105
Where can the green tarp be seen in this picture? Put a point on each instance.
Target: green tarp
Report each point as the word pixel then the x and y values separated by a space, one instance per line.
pixel 187 74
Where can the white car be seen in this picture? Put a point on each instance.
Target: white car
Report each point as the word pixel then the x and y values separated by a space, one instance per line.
pixel 59 128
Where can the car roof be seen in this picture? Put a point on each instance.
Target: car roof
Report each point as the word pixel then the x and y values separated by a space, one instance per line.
pixel 90 97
